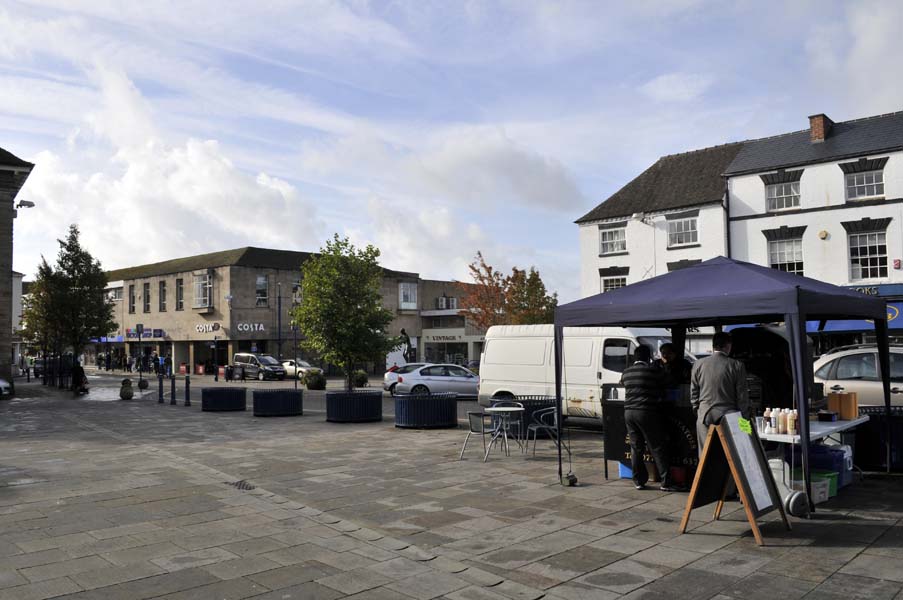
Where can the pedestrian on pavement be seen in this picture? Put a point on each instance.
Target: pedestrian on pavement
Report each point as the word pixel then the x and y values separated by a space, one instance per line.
pixel 717 387
pixel 644 416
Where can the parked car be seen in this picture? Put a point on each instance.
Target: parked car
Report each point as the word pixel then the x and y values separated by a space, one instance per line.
pixel 855 369
pixel 5 388
pixel 258 366
pixel 38 368
pixel 436 379
pixel 391 377
pixel 297 368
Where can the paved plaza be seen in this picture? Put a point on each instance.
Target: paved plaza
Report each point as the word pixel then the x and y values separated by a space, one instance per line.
pixel 106 499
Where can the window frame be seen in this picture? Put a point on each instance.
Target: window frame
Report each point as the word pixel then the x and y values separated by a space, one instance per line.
pixel 879 256
pixel 673 223
pixel 875 183
pixel 205 283
pixel 146 300
pixel 404 291
pixel 617 243
pixel 133 300
pixel 859 356
pixel 605 280
pixel 798 245
pixel 180 294
pixel 794 188
pixel 262 300
pixel 161 295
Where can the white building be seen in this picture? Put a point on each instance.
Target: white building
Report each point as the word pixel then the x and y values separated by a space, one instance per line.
pixel 826 202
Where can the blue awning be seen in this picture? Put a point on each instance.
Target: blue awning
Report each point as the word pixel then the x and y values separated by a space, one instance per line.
pixel 894 321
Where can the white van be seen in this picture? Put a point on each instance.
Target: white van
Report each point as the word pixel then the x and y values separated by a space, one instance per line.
pixel 520 360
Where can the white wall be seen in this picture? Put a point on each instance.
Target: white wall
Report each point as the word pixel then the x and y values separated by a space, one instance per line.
pixel 820 186
pixel 642 238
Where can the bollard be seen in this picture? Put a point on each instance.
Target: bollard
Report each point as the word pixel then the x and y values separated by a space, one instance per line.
pixel 160 389
pixel 172 390
pixel 188 390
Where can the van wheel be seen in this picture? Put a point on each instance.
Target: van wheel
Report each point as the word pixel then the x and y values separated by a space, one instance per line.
pixel 420 389
pixel 260 375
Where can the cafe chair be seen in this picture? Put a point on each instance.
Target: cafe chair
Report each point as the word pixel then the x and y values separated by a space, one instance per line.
pixel 544 420
pixel 479 426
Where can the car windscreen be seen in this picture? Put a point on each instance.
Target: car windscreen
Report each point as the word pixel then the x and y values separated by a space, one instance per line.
pixel 266 359
pixel 303 363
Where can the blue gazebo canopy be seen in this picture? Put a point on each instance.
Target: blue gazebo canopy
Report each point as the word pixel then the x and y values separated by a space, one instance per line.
pixel 723 291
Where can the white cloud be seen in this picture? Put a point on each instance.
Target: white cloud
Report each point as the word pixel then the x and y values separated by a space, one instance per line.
pixel 146 200
pixel 677 87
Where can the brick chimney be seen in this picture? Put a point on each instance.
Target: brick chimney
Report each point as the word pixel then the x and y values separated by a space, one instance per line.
pixel 819 128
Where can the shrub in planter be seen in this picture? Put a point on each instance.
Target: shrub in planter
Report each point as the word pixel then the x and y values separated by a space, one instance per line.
pixel 314 380
pixel 359 378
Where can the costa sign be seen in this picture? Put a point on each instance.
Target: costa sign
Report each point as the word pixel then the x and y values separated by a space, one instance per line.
pixel 250 327
pixel 206 327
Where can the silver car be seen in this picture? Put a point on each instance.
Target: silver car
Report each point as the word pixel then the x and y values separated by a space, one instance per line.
pixel 297 368
pixel 855 369
pixel 435 379
pixel 390 379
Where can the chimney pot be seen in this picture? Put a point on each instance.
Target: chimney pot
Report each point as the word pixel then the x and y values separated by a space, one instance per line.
pixel 819 127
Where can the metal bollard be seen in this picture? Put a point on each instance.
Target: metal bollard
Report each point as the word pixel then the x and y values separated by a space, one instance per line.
pixel 172 390
pixel 188 390
pixel 160 389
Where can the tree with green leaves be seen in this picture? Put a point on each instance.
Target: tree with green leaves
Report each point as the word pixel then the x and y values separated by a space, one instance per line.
pixel 528 301
pixel 86 310
pixel 68 304
pixel 341 314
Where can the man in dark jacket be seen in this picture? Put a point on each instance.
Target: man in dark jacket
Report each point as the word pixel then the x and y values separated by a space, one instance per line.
pixel 644 388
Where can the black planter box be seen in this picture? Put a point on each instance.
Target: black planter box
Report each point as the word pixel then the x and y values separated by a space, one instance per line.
pixel 358 406
pixel 277 403
pixel 426 411
pixel 222 399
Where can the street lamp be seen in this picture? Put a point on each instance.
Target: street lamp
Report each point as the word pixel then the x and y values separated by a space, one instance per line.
pixel 215 361
pixel 295 350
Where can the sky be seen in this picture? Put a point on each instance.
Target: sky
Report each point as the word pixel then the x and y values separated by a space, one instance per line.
pixel 431 129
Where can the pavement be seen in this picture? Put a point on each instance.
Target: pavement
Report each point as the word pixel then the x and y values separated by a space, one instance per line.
pixel 109 499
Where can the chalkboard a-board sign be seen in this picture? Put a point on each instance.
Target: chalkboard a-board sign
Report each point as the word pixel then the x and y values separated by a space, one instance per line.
pixel 733 455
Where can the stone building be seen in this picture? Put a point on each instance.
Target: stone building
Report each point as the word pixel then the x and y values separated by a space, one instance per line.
pixel 13 173
pixel 203 309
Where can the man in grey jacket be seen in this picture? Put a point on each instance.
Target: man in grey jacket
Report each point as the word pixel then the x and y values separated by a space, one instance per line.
pixel 717 386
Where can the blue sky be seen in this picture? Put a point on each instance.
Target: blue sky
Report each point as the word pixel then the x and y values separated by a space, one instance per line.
pixel 431 129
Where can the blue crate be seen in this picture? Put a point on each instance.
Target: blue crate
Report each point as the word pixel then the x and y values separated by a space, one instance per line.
pixel 625 472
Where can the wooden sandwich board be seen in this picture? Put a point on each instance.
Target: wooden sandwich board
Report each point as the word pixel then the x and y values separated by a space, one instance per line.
pixel 733 456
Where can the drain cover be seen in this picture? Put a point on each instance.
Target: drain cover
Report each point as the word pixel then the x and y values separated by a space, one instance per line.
pixel 242 484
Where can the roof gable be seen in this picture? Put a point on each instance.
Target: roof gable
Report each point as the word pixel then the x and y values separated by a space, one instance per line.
pixel 675 181
pixel 8 159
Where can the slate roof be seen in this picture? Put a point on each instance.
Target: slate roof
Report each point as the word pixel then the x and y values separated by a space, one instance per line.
pixel 8 159
pixel 675 181
pixel 847 139
pixel 239 257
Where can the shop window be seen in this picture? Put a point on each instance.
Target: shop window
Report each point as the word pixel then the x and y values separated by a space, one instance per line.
pixel 131 299
pixel 180 294
pixel 407 295
pixel 161 296
pixel 262 294
pixel 146 297
pixel 203 291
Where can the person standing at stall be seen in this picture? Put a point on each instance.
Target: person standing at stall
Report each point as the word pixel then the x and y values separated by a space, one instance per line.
pixel 717 387
pixel 644 390
pixel 677 369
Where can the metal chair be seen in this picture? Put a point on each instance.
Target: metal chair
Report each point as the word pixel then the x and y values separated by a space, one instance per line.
pixel 478 425
pixel 544 420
